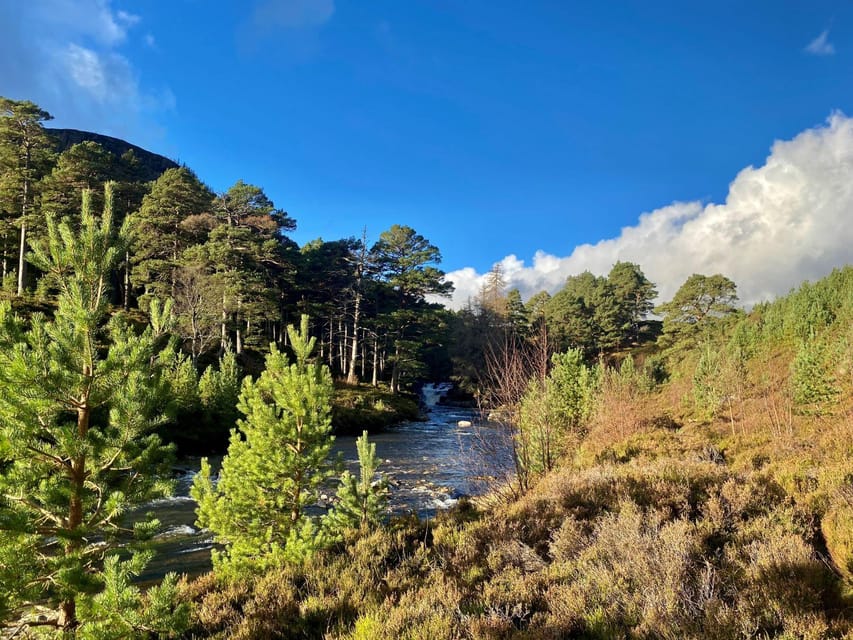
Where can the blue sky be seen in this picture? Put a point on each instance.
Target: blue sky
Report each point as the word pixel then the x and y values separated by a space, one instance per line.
pixel 496 129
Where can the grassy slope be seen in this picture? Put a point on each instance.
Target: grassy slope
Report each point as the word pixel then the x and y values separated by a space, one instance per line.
pixel 718 505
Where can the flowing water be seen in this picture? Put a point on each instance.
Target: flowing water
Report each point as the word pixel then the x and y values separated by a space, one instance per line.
pixel 431 464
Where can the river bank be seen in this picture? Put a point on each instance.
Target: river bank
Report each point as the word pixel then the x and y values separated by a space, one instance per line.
pixel 363 407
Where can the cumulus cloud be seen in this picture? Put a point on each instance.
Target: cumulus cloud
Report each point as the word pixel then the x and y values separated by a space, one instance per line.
pixel 821 46
pixel 783 222
pixel 67 56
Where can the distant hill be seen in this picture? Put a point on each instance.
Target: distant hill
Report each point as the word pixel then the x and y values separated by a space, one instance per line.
pixel 151 165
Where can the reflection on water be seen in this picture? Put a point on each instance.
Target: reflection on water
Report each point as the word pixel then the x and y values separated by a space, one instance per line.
pixel 431 464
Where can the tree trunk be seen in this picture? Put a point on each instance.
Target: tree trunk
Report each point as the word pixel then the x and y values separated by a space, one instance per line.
pixel 68 608
pixel 239 337
pixel 395 371
pixel 331 343
pixel 343 340
pixel 223 328
pixel 375 380
pixel 196 338
pixel 363 356
pixel 352 378
pixel 22 263
pixel 67 615
pixel 5 253
pixel 126 280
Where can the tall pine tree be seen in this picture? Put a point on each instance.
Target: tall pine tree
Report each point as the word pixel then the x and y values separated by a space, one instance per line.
pixel 77 398
pixel 26 152
pixel 404 261
pixel 162 229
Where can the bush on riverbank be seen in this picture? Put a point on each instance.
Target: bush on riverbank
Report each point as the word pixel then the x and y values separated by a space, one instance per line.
pixel 357 408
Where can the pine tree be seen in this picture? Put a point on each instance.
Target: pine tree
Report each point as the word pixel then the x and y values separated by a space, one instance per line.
pixel 244 253
pixel 404 262
pixel 634 294
pixel 699 302
pixel 219 393
pixel 77 398
pixel 277 460
pixel 163 228
pixel 86 165
pixel 26 151
pixel 362 500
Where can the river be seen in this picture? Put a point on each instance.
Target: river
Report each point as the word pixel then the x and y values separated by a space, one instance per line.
pixel 430 464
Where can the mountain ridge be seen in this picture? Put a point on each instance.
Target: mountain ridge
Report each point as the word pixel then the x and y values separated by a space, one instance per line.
pixel 151 165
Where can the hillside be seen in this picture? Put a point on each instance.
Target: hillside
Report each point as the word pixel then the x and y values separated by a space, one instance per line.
pixel 151 165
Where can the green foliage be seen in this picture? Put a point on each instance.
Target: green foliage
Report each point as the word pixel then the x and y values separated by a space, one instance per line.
pixel 282 445
pixel 811 308
pixel 243 253
pixel 26 153
pixel 162 230
pixel 707 382
pixel 570 313
pixel 553 414
pixel 719 379
pixel 357 408
pixel 634 293
pixel 219 392
pixel 78 399
pixel 181 379
pixel 698 302
pixel 812 384
pixel 574 386
pixel 596 314
pixel 121 611
pixel 83 166
pixel 361 501
pixel 404 261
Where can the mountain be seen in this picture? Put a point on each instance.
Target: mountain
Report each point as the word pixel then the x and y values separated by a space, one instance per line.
pixel 151 165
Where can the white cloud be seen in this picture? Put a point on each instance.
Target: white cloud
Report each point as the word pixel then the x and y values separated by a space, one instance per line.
pixel 86 69
pixel 300 19
pixel 821 46
pixel 783 222
pixel 67 56
pixel 91 19
pixel 292 14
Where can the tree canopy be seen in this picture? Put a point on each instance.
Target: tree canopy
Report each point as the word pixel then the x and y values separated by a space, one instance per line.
pixel 699 301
